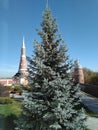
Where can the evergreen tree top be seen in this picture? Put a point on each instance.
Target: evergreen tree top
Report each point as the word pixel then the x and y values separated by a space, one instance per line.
pixel 49 24
pixel 47 3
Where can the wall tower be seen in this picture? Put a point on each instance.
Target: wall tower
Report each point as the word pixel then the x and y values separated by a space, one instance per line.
pixel 78 72
pixel 21 76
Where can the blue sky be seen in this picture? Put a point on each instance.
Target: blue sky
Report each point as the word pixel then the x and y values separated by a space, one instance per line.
pixel 77 21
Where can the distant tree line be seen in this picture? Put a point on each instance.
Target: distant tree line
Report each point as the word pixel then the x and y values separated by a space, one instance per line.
pixel 90 77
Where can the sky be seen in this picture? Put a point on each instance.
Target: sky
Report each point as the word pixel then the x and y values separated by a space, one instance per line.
pixel 77 22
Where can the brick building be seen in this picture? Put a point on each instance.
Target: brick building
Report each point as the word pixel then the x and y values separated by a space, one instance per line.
pixel 6 82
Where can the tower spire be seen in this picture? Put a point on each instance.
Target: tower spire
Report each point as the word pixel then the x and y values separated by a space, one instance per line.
pixel 23 43
pixel 21 76
pixel 23 65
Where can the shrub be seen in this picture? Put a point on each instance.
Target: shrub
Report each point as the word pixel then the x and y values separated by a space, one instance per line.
pixel 5 100
pixel 4 91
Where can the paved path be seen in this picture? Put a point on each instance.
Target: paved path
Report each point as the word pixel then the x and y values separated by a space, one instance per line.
pixel 91 103
pixel 17 97
pixel 92 123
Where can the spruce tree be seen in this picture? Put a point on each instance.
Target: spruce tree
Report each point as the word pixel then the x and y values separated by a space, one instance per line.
pixel 52 102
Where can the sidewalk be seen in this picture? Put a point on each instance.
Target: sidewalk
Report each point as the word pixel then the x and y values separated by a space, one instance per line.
pixel 92 123
pixel 92 104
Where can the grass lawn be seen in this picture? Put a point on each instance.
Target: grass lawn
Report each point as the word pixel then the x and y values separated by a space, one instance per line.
pixel 10 109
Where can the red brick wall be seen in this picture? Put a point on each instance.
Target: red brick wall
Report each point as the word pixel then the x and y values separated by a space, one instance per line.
pixel 6 81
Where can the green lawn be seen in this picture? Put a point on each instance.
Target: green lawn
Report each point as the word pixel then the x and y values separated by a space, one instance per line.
pixel 10 109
